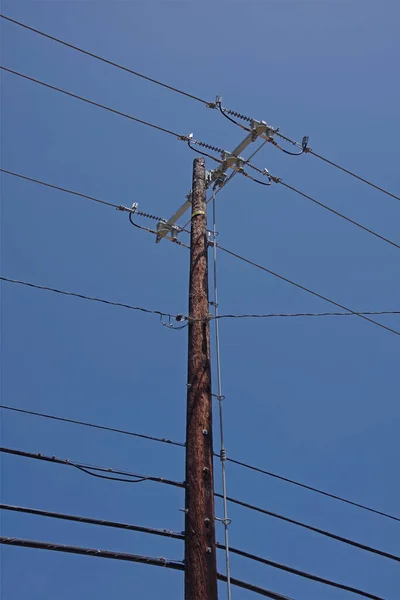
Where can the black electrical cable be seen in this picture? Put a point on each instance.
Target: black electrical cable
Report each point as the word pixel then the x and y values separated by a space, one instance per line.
pixel 149 560
pixel 83 466
pixel 93 103
pixel 339 214
pixel 305 289
pixel 93 426
pixel 312 489
pixel 104 60
pixel 314 529
pixel 182 445
pixel 181 536
pixel 83 297
pixel 55 460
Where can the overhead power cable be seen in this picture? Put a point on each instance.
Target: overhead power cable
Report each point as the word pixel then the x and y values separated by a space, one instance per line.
pixel 182 445
pixel 99 201
pixel 148 560
pixel 91 298
pixel 181 536
pixel 305 150
pixel 131 477
pixel 182 317
pixel 104 60
pixel 93 426
pixel 323 532
pixel 92 102
pixel 312 489
pixel 339 214
pixel 308 290
pixel 90 521
pixel 224 111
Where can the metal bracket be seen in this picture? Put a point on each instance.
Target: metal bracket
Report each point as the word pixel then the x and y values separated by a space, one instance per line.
pixel 166 229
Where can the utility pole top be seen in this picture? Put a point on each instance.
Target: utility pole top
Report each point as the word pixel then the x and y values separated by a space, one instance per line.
pixel 230 160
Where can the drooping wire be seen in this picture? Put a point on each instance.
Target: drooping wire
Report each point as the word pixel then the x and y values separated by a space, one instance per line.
pixel 323 532
pixel 339 214
pixel 179 484
pixel 181 536
pixel 222 454
pixel 308 150
pixel 313 489
pixel 93 103
pixel 180 317
pixel 225 111
pixel 91 298
pixel 104 60
pixel 128 477
pixel 182 445
pixel 308 290
pixel 93 425
pixel 148 560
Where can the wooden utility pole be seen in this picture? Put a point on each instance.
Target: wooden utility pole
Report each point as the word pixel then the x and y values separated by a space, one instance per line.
pixel 200 552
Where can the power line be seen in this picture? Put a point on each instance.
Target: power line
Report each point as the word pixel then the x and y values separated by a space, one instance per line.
pixel 180 536
pixel 312 489
pixel 305 289
pixel 104 60
pixel 304 574
pixel 339 214
pixel 83 297
pixel 310 151
pixel 229 459
pixel 90 521
pixel 182 317
pixel 148 560
pixel 92 102
pixel 192 96
pixel 99 201
pixel 309 314
pixel 314 529
pixel 93 426
pixel 86 467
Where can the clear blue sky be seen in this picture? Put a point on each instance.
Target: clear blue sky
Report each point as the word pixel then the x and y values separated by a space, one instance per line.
pixel 312 399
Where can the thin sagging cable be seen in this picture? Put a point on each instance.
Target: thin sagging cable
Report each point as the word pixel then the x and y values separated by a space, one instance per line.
pixel 326 207
pixel 181 536
pixel 170 482
pixel 90 521
pixel 312 489
pixel 93 426
pixel 119 207
pixel 198 99
pixel 308 290
pixel 310 151
pixel 181 317
pixel 222 454
pixel 99 201
pixel 93 103
pixel 182 445
pixel 148 560
pixel 90 298
pixel 82 466
pixel 339 214
pixel 104 60
pixel 322 532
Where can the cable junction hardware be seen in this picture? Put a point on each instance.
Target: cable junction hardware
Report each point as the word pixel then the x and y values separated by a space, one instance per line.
pixel 229 160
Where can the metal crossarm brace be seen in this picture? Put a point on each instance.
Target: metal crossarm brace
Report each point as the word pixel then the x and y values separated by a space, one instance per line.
pixel 230 160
